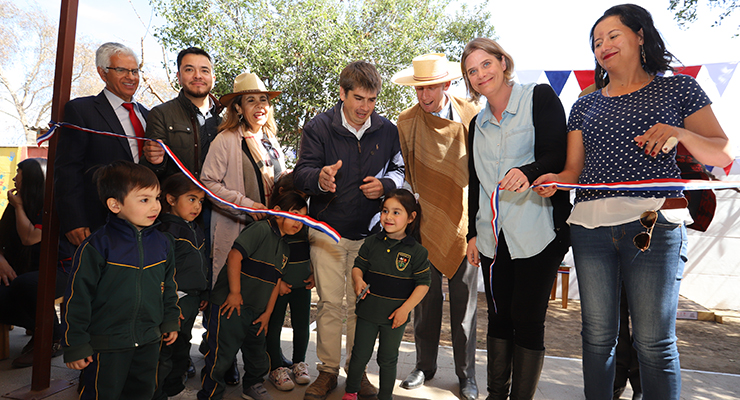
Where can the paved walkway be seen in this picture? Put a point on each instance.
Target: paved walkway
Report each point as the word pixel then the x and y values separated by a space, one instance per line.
pixel 561 377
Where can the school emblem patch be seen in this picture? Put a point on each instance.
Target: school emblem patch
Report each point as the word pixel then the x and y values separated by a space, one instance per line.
pixel 285 261
pixel 402 261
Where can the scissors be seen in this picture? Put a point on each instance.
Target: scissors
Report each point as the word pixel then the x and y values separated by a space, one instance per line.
pixel 364 292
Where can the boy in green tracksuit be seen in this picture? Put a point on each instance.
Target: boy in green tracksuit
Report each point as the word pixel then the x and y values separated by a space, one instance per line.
pixel 243 298
pixel 299 279
pixel 121 299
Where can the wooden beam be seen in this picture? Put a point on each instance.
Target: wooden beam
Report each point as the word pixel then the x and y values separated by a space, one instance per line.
pixel 698 315
pixel 50 234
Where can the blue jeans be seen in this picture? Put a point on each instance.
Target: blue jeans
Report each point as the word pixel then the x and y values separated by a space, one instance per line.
pixel 605 257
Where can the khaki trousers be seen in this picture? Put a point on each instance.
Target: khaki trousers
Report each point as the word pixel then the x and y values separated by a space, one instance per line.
pixel 332 268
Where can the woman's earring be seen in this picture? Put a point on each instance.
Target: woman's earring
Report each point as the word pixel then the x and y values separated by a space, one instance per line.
pixel 642 53
pixel 241 117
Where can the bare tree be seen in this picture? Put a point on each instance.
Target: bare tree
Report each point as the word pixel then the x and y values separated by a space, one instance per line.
pixel 27 58
pixel 155 86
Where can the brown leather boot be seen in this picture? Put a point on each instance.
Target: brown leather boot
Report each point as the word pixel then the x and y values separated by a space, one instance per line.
pixel 320 388
pixel 367 390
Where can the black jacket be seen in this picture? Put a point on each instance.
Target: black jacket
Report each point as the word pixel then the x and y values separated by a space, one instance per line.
pixel 191 262
pixel 79 154
pixel 175 123
pixel 378 154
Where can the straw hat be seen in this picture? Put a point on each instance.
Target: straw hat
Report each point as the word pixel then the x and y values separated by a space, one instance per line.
pixel 429 69
pixel 247 83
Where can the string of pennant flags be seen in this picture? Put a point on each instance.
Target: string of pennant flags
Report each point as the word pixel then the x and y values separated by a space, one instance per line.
pixel 720 73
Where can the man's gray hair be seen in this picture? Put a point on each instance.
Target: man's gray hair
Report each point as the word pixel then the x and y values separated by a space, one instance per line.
pixel 108 50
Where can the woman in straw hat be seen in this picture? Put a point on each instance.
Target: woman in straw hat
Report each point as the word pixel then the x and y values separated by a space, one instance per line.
pixel 518 136
pixel 243 161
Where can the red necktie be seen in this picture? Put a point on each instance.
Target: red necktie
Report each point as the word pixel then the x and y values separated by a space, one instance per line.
pixel 138 129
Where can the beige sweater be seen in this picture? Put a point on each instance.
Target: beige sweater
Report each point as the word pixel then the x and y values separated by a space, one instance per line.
pixel 223 174
pixel 436 156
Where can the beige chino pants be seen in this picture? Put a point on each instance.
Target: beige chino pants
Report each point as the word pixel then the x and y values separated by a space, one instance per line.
pixel 332 268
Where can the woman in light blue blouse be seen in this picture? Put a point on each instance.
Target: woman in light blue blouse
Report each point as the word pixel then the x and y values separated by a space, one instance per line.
pixel 518 136
pixel 625 132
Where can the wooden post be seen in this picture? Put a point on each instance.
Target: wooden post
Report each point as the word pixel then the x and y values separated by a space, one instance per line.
pixel 50 233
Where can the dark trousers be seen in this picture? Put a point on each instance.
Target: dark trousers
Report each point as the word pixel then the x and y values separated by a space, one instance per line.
pixel 127 374
pixel 390 340
pixel 174 359
pixel 225 337
pixel 300 309
pixel 517 306
pixel 463 309
pixel 18 301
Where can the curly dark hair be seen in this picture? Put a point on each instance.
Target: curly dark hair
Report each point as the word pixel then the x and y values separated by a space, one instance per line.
pixel 657 58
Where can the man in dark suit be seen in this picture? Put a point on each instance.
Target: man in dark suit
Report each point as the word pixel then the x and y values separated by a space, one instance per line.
pixel 79 154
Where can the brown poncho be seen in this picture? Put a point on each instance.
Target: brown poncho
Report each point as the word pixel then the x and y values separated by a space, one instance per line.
pixel 436 157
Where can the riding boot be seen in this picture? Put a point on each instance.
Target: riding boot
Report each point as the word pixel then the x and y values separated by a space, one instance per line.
pixel 526 374
pixel 499 368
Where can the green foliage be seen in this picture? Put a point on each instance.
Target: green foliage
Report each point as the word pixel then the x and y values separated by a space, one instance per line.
pixel 301 46
pixel 686 10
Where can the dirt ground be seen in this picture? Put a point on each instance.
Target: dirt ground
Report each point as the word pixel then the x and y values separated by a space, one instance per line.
pixel 703 345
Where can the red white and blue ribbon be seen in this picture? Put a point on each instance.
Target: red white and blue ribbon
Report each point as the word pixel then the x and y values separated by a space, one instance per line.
pixel 648 185
pixel 494 225
pixel 323 227
pixel 632 186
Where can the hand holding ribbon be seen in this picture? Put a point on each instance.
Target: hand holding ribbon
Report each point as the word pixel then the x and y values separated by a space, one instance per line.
pixel 297 217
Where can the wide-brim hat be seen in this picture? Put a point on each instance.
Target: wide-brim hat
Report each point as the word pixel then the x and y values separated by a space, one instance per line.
pixel 247 83
pixel 428 69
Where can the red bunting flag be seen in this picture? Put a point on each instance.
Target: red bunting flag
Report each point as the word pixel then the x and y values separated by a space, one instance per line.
pixel 691 71
pixel 585 77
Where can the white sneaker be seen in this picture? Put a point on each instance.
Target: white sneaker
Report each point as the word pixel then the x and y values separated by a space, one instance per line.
pixel 281 379
pixel 300 372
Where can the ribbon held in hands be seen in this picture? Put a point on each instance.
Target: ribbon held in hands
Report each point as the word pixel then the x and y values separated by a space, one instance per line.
pixel 323 227
pixel 635 186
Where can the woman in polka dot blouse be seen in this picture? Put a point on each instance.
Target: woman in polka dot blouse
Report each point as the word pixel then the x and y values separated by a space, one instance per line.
pixel 624 132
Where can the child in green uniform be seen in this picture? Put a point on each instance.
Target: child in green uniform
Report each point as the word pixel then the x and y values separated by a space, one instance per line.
pixel 182 202
pixel 121 302
pixel 395 265
pixel 298 281
pixel 249 285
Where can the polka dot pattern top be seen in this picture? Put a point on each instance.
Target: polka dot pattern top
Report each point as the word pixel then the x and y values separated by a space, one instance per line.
pixel 610 124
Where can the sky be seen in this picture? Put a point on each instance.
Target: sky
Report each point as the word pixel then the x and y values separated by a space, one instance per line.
pixel 554 34
pixel 539 34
